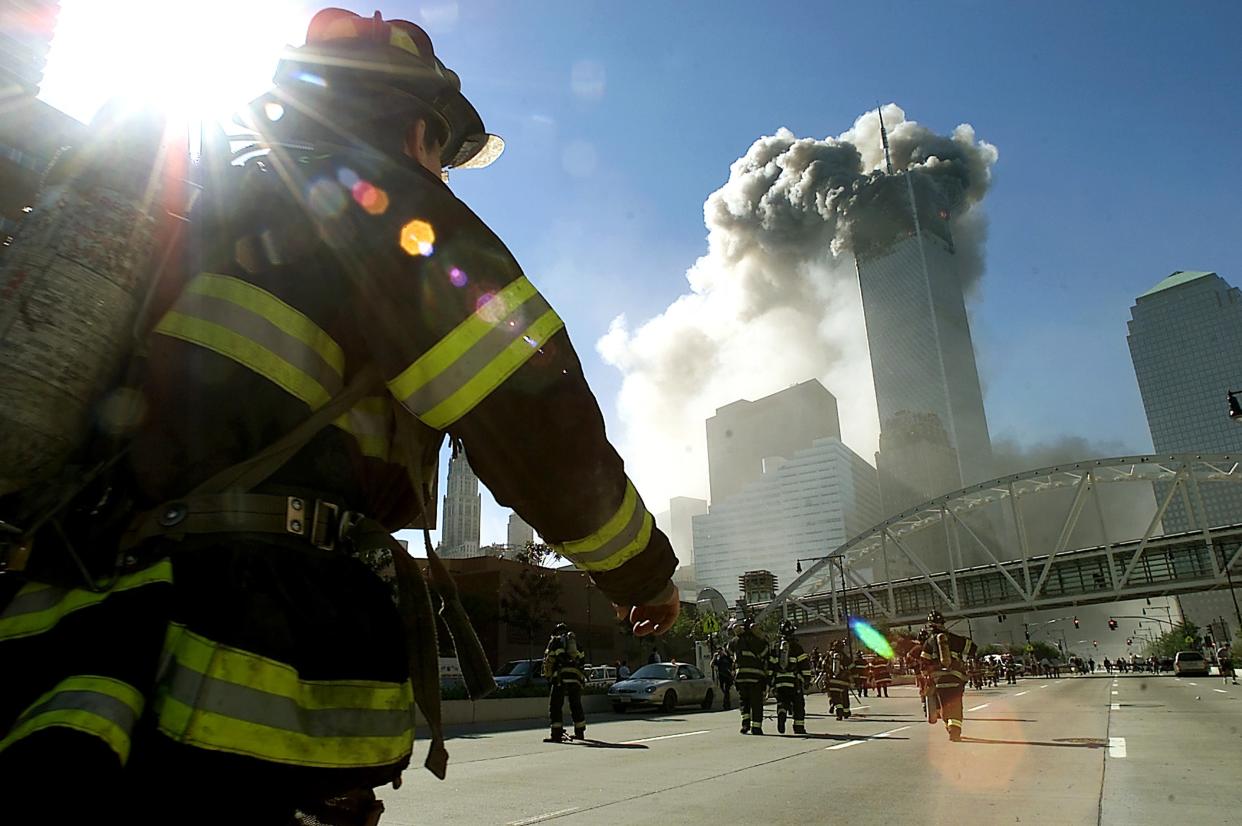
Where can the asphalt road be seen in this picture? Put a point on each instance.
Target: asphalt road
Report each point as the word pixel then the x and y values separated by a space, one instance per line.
pixel 1159 750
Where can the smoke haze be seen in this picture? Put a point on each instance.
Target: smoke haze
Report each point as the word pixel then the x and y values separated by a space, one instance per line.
pixel 775 300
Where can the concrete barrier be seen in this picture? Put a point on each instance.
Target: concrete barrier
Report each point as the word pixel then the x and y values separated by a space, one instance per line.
pixel 467 712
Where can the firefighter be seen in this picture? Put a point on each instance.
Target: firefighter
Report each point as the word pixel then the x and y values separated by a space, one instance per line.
pixel 881 675
pixel 750 656
pixel 722 673
pixel 974 673
pixel 1010 665
pixel 1224 663
pixel 914 659
pixel 837 680
pixel 859 674
pixel 944 658
pixel 562 666
pixel 243 663
pixel 788 663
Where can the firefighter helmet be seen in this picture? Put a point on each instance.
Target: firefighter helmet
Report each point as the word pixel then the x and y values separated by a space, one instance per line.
pixel 787 628
pixel 935 620
pixel 355 70
pixel 561 628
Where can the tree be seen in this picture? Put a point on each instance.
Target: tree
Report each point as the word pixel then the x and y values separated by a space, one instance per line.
pixel 534 598
pixel 1168 644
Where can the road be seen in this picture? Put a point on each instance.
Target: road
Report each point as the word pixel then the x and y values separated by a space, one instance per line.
pixel 1081 750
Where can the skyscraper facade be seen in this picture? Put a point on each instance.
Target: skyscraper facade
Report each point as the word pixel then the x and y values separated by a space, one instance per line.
pixel 743 433
pixel 28 26
pixel 518 532
pixel 803 506
pixel 462 510
pixel 1185 337
pixel 922 355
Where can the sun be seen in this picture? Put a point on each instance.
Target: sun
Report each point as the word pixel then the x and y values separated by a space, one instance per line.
pixel 195 60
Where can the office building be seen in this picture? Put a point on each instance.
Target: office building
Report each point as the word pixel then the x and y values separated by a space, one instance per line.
pixel 741 434
pixel 1185 337
pixel 922 356
pixel 462 510
pixel 804 506
pixel 28 26
pixel 518 533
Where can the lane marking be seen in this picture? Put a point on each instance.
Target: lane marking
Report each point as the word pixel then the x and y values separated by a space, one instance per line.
pixel 979 708
pixel 1194 683
pixel 1020 693
pixel 849 743
pixel 1116 692
pixel 1116 747
pixel 537 818
pixel 665 737
pixel 1221 690
pixel 1115 707
pixel 1043 686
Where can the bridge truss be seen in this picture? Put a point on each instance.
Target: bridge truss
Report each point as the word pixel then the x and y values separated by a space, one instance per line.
pixel 882 575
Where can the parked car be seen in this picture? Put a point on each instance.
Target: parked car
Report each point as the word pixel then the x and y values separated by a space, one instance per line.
pixel 519 673
pixel 1190 664
pixel 666 685
pixel 600 676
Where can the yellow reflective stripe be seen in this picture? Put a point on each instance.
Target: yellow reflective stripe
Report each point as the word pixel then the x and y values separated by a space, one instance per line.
pixel 259 301
pixel 246 352
pixel 621 538
pixel 100 706
pixel 37 608
pixel 464 367
pixel 448 349
pixel 224 699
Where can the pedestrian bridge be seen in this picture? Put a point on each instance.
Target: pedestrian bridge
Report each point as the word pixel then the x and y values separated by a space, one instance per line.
pixel 992 520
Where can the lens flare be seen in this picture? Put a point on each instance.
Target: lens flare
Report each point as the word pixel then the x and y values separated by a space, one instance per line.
pixel 418 238
pixel 871 638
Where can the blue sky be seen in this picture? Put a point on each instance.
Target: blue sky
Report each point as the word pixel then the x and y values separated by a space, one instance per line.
pixel 1117 128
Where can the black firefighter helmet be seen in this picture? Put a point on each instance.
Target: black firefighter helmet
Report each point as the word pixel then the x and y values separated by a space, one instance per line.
pixel 356 70
pixel 787 628
pixel 935 621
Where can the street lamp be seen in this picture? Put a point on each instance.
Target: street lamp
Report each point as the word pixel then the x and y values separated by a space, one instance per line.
pixel 839 561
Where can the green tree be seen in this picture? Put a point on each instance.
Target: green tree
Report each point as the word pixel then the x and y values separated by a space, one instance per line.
pixel 531 601
pixel 1174 640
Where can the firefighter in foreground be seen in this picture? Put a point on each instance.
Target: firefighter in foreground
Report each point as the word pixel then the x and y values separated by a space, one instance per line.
pixel 944 657
pixel 837 679
pixel 750 656
pixel 787 663
pixel 243 665
pixel 562 665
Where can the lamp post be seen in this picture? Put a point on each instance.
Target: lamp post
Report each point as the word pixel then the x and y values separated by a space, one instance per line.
pixel 839 561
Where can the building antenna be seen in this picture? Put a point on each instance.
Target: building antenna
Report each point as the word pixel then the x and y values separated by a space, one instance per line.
pixel 888 162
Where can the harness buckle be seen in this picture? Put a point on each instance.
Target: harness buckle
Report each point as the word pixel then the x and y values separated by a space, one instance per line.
pixel 324 525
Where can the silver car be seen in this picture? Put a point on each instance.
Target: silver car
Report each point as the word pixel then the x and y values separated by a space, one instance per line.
pixel 666 685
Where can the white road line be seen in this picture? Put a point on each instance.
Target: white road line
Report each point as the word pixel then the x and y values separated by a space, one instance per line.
pixel 665 737
pixel 979 708
pixel 545 816
pixel 1221 690
pixel 1116 692
pixel 862 706
pixel 1194 683
pixel 1116 747
pixel 1020 693
pixel 1044 686
pixel 849 743
pixel 1114 707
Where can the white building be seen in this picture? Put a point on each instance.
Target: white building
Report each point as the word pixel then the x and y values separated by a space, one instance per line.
pixel 1185 337
pixel 803 506
pixel 462 510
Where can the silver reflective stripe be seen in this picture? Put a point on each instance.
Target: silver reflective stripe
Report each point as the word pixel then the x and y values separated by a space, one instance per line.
pixel 481 354
pixel 93 702
pixel 623 538
pixel 251 705
pixel 28 602
pixel 260 330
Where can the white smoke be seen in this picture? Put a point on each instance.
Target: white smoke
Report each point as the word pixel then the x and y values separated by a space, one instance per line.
pixel 775 300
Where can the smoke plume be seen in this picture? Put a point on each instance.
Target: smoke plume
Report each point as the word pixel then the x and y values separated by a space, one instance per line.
pixel 775 300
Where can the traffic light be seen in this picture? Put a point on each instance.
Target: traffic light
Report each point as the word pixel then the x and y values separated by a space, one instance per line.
pixel 1075 622
pixel 1112 624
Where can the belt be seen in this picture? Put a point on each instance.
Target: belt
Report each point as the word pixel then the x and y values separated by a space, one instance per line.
pixel 320 522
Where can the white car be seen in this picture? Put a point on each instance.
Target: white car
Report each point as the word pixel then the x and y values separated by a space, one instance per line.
pixel 600 676
pixel 1190 663
pixel 666 685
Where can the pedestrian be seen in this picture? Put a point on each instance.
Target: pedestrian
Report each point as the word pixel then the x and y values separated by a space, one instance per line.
pixel 787 666
pixel 654 657
pixel 1108 666
pixel 750 658
pixel 1224 663
pixel 623 670
pixel 1091 665
pixel 722 673
pixel 562 666
pixel 944 658
pixel 270 666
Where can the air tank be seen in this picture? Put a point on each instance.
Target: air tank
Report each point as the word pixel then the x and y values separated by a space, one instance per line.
pixel 72 285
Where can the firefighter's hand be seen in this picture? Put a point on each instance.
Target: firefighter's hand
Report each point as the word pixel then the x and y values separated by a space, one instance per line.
pixel 655 617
